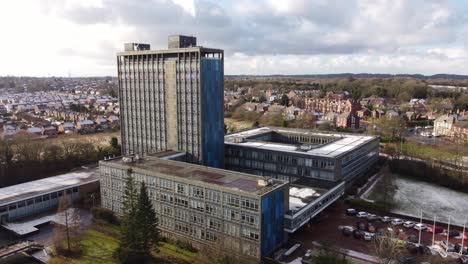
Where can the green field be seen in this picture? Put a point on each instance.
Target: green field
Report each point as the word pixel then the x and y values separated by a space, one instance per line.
pixel 99 242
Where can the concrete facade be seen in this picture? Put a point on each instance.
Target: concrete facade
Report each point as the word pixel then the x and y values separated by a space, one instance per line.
pixel 162 97
pixel 216 209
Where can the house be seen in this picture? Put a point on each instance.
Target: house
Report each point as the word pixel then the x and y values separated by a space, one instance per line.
pixel 102 122
pixel 460 131
pixel 391 114
pixel 35 131
pixel 443 125
pixel 364 112
pixel 85 126
pixel 348 120
pixel 10 130
pixel 378 113
pixel 49 131
pixel 67 128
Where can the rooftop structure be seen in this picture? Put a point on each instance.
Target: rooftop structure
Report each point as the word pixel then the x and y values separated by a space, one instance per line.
pixel 316 158
pixel 299 141
pixel 31 189
pixel 31 198
pixel 216 178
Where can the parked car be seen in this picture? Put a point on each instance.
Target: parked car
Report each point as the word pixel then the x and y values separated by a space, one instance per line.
pixel 347 231
pixel 351 211
pixel 453 233
pixel 372 217
pixel 362 214
pixel 407 260
pixel 357 234
pixel 368 236
pixel 361 226
pixel 420 226
pixel 397 221
pixel 408 224
pixel 386 219
pixel 437 229
pixel 308 253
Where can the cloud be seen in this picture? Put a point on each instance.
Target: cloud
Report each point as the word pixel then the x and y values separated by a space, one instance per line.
pixel 334 35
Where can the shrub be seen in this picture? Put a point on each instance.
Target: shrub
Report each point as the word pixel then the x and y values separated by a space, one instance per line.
pixel 105 215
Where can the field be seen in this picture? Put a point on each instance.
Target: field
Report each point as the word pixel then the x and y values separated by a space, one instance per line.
pixel 100 241
pixel 95 138
pixel 237 125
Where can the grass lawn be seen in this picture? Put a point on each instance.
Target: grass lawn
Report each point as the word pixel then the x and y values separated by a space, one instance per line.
pixel 99 243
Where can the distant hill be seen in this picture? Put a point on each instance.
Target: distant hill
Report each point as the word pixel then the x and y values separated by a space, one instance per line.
pixel 358 75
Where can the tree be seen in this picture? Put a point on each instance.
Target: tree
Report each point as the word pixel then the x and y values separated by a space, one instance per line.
pixel 387 248
pixel 114 143
pixel 284 100
pixel 328 255
pixel 69 231
pixel 147 229
pixel 127 251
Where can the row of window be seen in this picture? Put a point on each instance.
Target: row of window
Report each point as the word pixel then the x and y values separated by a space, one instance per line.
pixel 38 199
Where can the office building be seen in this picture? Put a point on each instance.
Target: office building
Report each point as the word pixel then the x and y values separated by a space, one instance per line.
pixel 212 208
pixel 299 155
pixel 172 99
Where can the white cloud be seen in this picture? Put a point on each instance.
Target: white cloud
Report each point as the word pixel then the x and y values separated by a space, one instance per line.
pixel 259 37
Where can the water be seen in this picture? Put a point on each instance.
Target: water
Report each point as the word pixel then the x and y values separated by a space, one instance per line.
pixel 412 196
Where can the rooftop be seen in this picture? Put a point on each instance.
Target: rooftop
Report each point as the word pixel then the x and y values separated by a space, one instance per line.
pixel 300 196
pixel 336 143
pixel 32 189
pixel 219 178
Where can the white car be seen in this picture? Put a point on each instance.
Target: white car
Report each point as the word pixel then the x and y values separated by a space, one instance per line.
pixel 386 219
pixel 362 214
pixel 420 226
pixel 408 224
pixel 368 236
pixel 397 221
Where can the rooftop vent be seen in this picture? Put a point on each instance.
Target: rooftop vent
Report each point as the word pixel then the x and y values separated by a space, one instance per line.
pixel 265 182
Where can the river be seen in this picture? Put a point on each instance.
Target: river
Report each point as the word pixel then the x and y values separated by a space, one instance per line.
pixel 412 196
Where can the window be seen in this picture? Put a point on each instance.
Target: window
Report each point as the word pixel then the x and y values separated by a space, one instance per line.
pixel 38 199
pixel 53 196
pixel 180 188
pixel 60 194
pixel 21 204
pixel 12 207
pixel 231 200
pixel 249 204
pixel 3 209
pixel 45 197
pixel 30 201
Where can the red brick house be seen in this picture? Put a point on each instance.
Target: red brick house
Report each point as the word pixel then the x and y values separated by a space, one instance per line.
pixel 348 120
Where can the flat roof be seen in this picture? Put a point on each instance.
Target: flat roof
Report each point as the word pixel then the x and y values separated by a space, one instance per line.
pixel 219 178
pixel 171 50
pixel 300 196
pixel 341 144
pixel 33 189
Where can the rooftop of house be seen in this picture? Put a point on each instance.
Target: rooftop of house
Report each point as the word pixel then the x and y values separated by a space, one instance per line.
pixel 181 171
pixel 335 144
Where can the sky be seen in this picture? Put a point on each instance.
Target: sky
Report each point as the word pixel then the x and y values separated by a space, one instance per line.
pixel 82 37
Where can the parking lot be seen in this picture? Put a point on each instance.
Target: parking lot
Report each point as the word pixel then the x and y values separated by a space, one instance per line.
pixel 325 230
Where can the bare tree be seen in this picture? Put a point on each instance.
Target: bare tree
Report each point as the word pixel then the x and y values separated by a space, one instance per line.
pixel 69 231
pixel 387 248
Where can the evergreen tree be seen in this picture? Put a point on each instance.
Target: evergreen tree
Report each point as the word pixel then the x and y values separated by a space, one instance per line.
pixel 147 231
pixel 127 252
